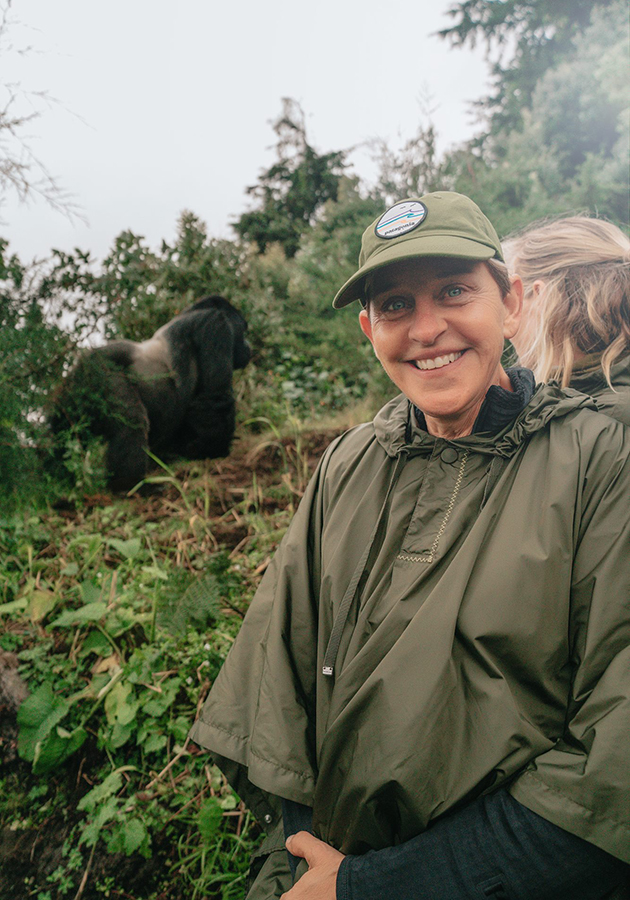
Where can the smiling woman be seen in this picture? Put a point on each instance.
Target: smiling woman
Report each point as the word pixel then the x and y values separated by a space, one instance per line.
pixel 438 326
pixel 430 679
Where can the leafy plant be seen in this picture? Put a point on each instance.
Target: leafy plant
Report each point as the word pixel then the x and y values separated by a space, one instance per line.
pixel 121 616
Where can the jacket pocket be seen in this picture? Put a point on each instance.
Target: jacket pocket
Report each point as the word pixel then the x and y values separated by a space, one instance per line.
pixel 269 875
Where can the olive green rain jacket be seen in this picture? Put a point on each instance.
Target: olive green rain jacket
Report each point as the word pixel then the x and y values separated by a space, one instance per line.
pixel 588 377
pixel 471 599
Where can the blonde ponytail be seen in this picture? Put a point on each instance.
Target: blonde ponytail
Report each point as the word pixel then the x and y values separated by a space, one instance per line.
pixel 584 305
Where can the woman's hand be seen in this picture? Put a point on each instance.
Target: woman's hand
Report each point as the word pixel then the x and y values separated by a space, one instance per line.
pixel 320 882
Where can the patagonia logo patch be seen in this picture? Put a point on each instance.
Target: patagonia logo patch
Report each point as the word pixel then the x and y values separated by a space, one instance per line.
pixel 400 219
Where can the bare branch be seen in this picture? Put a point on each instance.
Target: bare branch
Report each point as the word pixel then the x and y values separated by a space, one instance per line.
pixel 21 170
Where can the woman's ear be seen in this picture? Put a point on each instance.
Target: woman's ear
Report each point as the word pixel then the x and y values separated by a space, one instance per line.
pixel 513 305
pixel 366 325
pixel 538 287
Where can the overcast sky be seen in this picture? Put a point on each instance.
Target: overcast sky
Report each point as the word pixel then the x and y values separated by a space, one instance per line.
pixel 164 106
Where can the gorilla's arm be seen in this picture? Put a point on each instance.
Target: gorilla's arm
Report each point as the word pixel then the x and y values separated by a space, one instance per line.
pixel 127 431
pixel 209 427
pixel 209 422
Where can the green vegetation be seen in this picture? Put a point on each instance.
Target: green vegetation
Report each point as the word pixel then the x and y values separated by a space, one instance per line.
pixel 294 189
pixel 557 124
pixel 116 614
pixel 120 613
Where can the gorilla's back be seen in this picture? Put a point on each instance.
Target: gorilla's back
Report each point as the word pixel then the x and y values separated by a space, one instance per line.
pixel 164 388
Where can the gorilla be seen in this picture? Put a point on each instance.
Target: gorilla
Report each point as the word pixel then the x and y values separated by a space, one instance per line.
pixel 171 393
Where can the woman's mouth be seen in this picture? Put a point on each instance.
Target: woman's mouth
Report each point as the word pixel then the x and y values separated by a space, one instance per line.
pixel 436 362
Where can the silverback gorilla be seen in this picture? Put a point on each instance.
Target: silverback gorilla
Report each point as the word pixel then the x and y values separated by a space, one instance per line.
pixel 171 393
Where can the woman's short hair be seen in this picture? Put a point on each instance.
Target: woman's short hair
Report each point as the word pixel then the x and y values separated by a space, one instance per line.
pixel 584 264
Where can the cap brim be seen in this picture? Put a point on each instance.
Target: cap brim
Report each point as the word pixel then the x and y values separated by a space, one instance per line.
pixel 429 245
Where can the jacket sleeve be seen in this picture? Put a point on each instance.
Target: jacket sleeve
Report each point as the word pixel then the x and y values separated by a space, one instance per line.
pixel 261 709
pixel 582 784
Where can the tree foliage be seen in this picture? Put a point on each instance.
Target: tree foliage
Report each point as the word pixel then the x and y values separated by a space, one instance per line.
pixel 413 169
pixel 569 149
pixel 32 349
pixel 540 34
pixel 290 193
pixel 135 289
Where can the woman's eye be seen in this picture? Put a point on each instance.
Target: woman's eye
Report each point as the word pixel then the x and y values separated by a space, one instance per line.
pixel 394 304
pixel 453 291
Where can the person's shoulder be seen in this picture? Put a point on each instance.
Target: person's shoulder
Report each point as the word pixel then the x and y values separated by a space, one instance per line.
pixel 616 405
pixel 612 398
pixel 598 434
pixel 386 434
pixel 599 414
pixel 350 445
pixel 573 427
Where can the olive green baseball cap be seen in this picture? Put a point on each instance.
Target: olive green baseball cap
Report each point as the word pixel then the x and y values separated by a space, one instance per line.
pixel 440 224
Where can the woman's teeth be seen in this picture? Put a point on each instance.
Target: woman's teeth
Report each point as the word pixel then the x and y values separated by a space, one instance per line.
pixel 437 362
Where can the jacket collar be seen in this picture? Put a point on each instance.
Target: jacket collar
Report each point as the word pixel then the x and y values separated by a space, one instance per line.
pixel 396 426
pixel 500 406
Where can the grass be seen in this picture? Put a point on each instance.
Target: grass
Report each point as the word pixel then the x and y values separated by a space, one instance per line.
pixel 118 613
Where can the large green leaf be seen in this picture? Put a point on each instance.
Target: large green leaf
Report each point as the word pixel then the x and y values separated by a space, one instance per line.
pixel 129 836
pixel 197 606
pixel 120 734
pixel 128 549
pixel 121 706
pixel 37 717
pixel 13 606
pixel 157 704
pixel 103 814
pixel 107 788
pixel 210 818
pixel 91 612
pixel 97 643
pixel 56 747
pixel 41 603
pixel 90 591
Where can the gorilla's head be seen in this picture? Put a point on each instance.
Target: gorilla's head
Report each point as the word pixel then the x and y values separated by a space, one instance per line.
pixel 242 349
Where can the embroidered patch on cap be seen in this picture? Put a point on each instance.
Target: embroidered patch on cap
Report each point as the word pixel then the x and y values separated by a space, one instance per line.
pixel 400 219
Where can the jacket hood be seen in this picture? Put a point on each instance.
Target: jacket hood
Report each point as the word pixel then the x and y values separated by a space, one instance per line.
pixel 614 400
pixel 588 376
pixel 396 427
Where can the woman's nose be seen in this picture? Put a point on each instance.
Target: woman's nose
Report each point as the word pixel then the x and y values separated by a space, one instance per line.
pixel 428 324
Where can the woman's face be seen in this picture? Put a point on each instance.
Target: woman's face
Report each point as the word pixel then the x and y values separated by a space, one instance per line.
pixel 437 326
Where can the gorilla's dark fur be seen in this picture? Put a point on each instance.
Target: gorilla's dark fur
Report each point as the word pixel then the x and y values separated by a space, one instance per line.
pixel 171 393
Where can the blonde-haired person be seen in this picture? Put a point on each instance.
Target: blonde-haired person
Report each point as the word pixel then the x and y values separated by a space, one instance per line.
pixel 576 311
